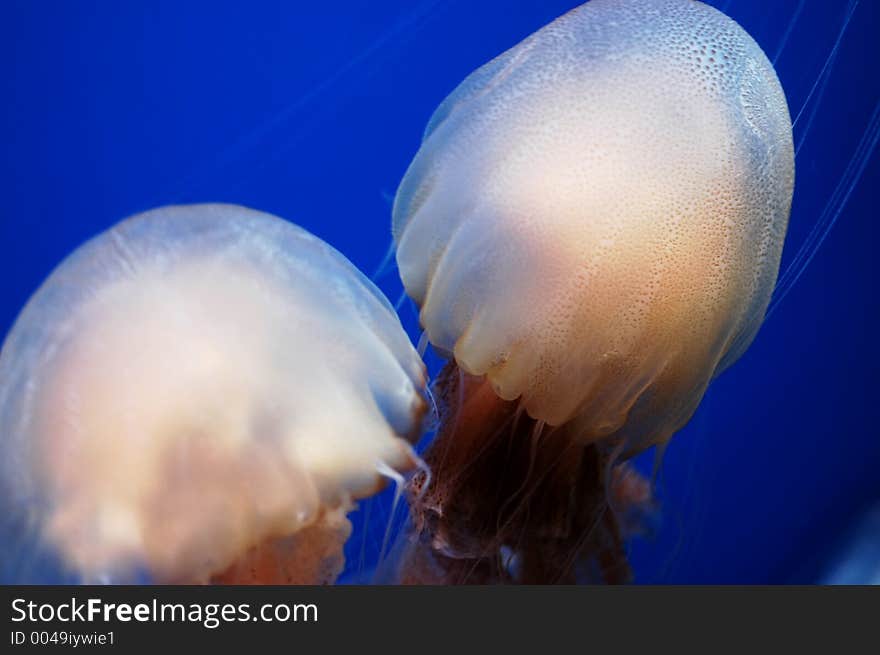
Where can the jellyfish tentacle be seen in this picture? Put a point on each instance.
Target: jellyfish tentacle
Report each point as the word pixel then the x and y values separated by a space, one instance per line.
pixel 788 30
pixel 832 211
pixel 387 264
pixel 399 484
pixel 829 60
pixel 506 486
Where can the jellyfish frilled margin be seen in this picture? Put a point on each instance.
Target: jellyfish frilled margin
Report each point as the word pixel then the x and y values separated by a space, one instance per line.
pixel 592 229
pixel 200 393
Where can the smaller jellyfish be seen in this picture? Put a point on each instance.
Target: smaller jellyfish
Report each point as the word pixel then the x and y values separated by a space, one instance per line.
pixel 201 393
pixel 592 229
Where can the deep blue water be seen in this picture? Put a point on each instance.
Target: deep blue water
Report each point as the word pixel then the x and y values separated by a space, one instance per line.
pixel 312 111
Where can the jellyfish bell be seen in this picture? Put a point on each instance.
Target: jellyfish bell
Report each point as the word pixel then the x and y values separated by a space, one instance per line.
pixel 627 170
pixel 201 393
pixel 592 228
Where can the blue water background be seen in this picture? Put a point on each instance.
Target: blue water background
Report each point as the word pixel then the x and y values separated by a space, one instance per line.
pixel 312 111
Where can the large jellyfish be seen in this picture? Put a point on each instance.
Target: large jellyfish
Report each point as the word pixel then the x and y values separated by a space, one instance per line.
pixel 200 394
pixel 592 229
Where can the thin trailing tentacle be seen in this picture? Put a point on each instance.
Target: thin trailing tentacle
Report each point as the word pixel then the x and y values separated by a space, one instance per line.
pixel 833 209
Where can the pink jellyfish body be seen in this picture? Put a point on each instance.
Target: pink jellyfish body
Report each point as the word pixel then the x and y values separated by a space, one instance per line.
pixel 201 393
pixel 592 230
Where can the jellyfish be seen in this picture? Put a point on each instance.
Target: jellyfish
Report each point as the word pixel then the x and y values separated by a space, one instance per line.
pixel 591 230
pixel 200 394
